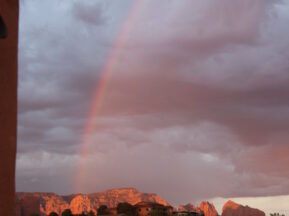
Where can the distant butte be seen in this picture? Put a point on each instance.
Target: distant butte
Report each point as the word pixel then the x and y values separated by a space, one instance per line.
pixel 49 202
pixel 234 209
pixel 206 208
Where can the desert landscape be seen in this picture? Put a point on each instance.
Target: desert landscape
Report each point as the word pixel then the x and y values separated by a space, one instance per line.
pixel 187 101
pixel 46 203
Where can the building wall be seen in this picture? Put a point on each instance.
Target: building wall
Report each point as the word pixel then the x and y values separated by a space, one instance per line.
pixel 8 105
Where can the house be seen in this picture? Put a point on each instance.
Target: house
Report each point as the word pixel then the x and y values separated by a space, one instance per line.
pixel 151 208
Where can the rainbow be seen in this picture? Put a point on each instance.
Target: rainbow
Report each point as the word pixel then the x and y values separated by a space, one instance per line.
pixel 98 97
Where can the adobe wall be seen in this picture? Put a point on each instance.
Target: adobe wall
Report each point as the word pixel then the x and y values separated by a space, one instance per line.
pixel 8 105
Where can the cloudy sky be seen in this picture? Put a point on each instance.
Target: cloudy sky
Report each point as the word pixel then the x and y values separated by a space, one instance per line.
pixel 195 106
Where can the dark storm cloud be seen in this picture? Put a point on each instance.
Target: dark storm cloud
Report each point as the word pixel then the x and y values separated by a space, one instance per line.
pixel 255 114
pixel 57 77
pixel 199 91
pixel 234 77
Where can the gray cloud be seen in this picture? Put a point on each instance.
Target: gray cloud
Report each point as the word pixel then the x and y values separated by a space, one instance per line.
pixel 89 13
pixel 199 91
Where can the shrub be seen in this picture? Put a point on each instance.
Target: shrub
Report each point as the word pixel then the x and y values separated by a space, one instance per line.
pixel 102 210
pixel 125 208
pixel 67 212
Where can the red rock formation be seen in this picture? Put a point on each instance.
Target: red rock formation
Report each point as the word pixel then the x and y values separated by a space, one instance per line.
pixel 111 198
pixel 81 203
pixel 18 207
pixel 52 202
pixel 27 204
pixel 233 209
pixel 208 209
pixel 189 208
pixel 48 202
pixel 77 203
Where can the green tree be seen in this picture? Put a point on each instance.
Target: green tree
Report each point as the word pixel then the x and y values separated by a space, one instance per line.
pixel 276 214
pixel 67 212
pixel 53 214
pixel 125 208
pixel 102 210
pixel 158 212
pixel 82 214
pixel 90 213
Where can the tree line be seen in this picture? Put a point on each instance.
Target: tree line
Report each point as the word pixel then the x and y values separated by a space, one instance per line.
pixel 122 208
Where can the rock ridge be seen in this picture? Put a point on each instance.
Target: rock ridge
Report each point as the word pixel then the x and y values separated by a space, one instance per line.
pixel 206 208
pixel 234 209
pixel 78 203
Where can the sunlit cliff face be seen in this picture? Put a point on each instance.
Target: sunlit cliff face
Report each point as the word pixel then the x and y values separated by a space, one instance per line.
pixel 195 106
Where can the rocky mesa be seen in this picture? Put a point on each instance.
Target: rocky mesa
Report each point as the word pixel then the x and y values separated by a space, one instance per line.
pixel 45 203
pixel 234 209
pixel 208 209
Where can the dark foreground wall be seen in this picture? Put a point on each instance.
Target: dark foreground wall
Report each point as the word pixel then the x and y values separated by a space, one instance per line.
pixel 8 103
